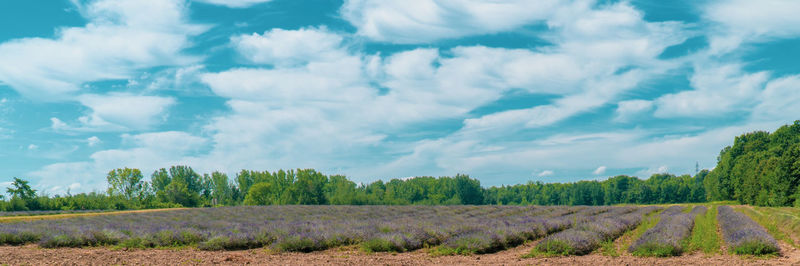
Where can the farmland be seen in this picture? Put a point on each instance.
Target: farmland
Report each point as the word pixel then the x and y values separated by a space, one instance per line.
pixel 406 234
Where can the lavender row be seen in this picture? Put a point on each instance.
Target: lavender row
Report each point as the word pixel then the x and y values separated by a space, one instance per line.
pixel 743 235
pixel 665 239
pixel 494 239
pixel 306 228
pixel 587 236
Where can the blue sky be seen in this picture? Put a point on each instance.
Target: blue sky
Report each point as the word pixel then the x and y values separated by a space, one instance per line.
pixel 506 91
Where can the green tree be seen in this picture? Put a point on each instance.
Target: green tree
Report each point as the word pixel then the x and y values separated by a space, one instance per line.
pixel 309 188
pixel 178 192
pixel 126 182
pixel 259 194
pixel 21 190
pixel 468 190
pixel 223 191
pixel 160 179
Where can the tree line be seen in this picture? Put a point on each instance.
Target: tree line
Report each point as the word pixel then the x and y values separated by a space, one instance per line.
pixel 181 186
pixel 760 168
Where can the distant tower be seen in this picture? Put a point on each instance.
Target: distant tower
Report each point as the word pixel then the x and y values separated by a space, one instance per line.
pixel 696 167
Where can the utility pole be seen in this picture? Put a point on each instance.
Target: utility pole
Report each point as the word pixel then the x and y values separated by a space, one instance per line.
pixel 696 168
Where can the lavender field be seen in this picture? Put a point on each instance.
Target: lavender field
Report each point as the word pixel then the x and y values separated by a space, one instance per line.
pixel 588 234
pixel 559 230
pixel 308 228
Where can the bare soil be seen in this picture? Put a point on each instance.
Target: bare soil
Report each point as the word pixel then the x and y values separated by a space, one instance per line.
pixel 33 255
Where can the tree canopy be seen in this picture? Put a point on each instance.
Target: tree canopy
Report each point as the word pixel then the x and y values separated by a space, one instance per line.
pixel 761 168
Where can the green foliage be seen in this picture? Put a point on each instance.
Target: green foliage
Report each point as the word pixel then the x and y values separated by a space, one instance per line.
pixel 656 250
pixel 18 238
pixel 609 248
pixel 178 192
pixel 468 190
pixel 126 182
pixel 658 189
pixel 759 169
pixel 381 245
pixel 20 189
pixel 215 243
pixel 754 248
pixel 259 194
pixel 180 186
pixel 555 248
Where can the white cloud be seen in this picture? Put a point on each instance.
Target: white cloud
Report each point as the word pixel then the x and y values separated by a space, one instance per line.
pixel 92 141
pixel 718 90
pixel 596 94
pixel 147 152
pixel 545 173
pixel 33 147
pixel 234 3
pixel 600 170
pixel 314 102
pixel 585 64
pixel 330 104
pixel 184 79
pixel 779 101
pixel 424 21
pixel 57 124
pixel 317 82
pixel 626 110
pixel 647 173
pixel 741 21
pixel 121 37
pixel 290 47
pixel 118 112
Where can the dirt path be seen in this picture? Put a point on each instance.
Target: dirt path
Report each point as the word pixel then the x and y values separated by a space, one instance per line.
pixel 7 219
pixel 33 255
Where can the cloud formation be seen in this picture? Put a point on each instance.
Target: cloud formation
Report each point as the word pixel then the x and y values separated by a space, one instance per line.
pixel 498 90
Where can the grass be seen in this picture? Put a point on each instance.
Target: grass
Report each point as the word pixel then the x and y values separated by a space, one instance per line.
pixel 755 248
pixel 552 249
pixel 381 245
pixel 778 223
pixel 448 251
pixel 648 222
pixel 656 250
pixel 704 234
pixel 608 248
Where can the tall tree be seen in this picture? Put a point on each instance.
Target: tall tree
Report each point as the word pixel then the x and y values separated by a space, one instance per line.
pixel 21 190
pixel 126 182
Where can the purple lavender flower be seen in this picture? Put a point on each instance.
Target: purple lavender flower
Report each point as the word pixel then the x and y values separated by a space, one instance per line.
pixel 743 235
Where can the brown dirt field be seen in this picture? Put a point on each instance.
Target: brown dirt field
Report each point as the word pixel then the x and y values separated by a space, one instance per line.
pixel 33 255
pixel 8 219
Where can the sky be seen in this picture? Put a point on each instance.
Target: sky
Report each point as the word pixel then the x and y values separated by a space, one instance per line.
pixel 505 91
